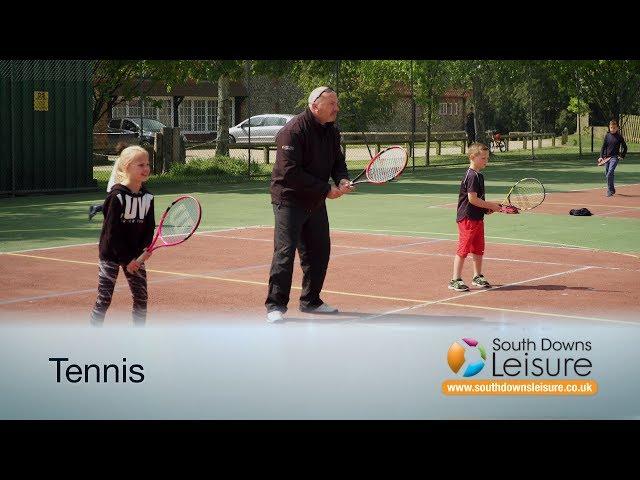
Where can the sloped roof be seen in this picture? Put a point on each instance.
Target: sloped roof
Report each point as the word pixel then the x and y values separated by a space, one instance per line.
pixel 457 93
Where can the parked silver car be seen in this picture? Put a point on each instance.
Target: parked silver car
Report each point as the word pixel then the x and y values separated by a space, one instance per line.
pixel 264 128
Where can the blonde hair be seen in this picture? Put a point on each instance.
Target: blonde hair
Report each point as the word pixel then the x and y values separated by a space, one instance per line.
pixel 124 160
pixel 475 148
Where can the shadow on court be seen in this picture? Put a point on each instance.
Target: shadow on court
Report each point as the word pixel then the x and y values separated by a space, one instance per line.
pixel 399 319
pixel 549 288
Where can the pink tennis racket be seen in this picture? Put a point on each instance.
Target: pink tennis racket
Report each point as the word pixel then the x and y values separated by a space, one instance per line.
pixel 179 221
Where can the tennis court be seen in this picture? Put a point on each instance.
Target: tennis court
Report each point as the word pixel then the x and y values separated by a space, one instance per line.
pixel 392 252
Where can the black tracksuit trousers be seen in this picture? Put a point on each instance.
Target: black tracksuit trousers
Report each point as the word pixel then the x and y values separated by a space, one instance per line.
pixel 308 232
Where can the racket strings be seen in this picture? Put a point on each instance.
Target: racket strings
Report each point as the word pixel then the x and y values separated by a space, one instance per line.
pixel 527 195
pixel 387 166
pixel 180 222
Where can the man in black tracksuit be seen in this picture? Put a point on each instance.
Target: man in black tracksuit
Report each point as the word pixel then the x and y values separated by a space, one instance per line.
pixel 308 154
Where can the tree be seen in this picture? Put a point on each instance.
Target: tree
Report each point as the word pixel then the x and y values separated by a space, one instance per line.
pixel 367 88
pixel 430 78
pixel 578 106
pixel 113 83
pixel 478 75
pixel 117 81
pixel 610 87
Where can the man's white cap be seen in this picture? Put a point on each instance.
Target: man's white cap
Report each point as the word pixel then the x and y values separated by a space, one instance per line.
pixel 315 93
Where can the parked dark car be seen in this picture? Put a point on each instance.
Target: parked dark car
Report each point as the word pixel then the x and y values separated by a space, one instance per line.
pixel 126 131
pixel 129 125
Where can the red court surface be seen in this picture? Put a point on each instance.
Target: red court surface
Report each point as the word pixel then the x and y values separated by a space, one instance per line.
pixel 372 278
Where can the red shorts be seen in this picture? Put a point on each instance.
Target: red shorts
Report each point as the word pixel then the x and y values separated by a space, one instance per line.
pixel 471 237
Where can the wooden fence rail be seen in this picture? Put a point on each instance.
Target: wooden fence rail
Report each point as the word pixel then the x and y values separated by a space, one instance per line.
pixel 630 128
pixel 378 139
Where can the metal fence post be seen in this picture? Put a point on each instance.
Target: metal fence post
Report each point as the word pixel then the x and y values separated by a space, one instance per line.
pixel 247 68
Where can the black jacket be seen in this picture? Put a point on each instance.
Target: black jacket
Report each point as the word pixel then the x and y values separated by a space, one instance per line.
pixel 129 223
pixel 308 153
pixel 611 145
pixel 469 124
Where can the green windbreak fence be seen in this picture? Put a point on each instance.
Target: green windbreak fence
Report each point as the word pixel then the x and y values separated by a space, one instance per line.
pixel 45 126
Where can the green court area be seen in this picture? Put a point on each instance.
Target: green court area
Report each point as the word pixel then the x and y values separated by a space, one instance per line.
pixel 421 203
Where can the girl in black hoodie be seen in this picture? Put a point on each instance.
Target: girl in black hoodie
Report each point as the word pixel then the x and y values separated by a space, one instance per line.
pixel 128 227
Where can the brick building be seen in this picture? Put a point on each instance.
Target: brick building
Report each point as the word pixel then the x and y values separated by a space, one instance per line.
pixel 196 105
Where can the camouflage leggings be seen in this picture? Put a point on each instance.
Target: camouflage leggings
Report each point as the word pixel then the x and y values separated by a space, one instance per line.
pixel 107 276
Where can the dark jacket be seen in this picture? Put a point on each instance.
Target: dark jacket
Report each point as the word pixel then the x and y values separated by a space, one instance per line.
pixel 611 145
pixel 129 223
pixel 308 153
pixel 469 124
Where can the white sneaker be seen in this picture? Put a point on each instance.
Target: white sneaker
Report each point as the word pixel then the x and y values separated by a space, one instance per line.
pixel 324 308
pixel 274 316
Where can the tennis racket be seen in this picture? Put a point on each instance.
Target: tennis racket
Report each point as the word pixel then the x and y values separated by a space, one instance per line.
pixel 385 166
pixel 527 194
pixel 178 223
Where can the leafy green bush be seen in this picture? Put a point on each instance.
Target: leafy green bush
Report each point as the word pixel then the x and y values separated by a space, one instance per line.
pixel 216 167
pixel 565 119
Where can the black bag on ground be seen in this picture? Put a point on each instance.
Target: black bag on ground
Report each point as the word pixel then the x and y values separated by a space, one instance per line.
pixel 580 212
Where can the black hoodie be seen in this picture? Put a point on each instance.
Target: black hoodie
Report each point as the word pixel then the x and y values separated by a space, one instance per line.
pixel 129 223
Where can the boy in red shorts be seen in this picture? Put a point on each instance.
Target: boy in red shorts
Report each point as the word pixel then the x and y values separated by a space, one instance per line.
pixel 470 218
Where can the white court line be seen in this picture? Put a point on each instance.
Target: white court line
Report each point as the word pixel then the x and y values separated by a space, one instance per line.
pixel 594 188
pixel 208 233
pixel 426 196
pixel 173 279
pixel 443 301
pixel 223 229
pixel 442 205
pixel 447 205
pixel 364 231
pixel 266 188
pixel 604 214
pixel 593 205
pixel 536 242
pixel 170 195
pixel 427 254
pixel 49 248
pixel 477 292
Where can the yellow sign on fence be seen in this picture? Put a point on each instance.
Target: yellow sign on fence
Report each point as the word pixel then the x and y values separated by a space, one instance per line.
pixel 41 101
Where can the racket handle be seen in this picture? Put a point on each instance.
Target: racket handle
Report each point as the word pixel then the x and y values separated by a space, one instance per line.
pixel 509 209
pixel 143 257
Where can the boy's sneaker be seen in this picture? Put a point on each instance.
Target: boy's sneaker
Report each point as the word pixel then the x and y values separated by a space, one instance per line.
pixel 480 281
pixel 458 285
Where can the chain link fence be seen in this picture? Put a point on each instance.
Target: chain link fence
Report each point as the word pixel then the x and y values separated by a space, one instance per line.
pixel 45 126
